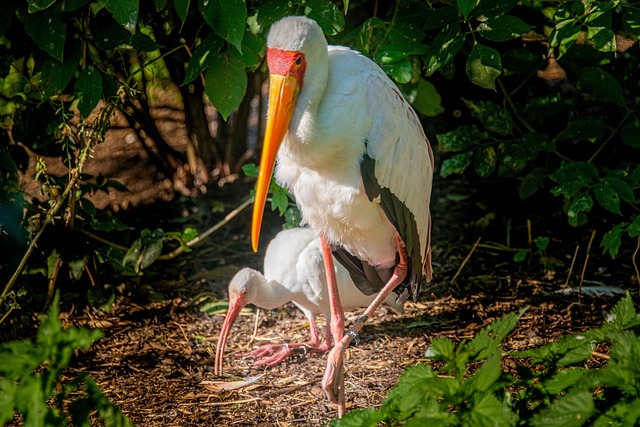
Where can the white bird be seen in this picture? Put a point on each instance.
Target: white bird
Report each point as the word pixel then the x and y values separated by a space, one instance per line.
pixel 293 271
pixel 352 151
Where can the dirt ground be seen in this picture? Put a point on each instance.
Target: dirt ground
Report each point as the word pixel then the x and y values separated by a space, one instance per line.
pixel 156 360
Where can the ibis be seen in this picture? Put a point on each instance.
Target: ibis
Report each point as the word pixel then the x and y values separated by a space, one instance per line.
pixel 353 153
pixel 293 271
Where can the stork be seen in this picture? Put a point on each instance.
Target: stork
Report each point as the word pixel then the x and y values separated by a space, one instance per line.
pixel 293 271
pixel 352 151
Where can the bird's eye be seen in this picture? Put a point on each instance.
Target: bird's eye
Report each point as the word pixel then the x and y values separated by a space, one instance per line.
pixel 299 60
pixel 244 291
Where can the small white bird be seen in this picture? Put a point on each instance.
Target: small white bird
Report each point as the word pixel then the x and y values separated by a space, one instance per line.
pixel 293 271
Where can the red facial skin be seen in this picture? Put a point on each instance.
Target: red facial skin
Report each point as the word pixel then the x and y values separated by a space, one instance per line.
pixel 287 63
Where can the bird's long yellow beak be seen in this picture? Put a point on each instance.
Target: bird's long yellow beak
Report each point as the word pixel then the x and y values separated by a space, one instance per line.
pixel 283 95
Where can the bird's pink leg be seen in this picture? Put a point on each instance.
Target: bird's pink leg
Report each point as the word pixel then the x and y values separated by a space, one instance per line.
pixel 333 382
pixel 273 354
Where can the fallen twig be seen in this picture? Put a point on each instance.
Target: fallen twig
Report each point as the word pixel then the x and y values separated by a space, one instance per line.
pixel 210 231
pixel 584 267
pixel 464 261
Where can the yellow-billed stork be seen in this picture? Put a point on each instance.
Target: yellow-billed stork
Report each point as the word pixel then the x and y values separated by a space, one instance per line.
pixel 293 271
pixel 352 151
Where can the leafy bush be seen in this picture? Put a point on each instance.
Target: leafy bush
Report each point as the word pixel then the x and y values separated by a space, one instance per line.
pixel 553 389
pixel 31 383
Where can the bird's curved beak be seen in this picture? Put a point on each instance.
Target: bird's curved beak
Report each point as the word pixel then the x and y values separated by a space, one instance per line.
pixel 283 95
pixel 235 306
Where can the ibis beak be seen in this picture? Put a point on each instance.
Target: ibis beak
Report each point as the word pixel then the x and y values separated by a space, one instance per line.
pixel 283 94
pixel 235 306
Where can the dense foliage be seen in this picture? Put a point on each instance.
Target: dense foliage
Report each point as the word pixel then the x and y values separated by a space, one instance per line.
pixel 556 389
pixel 31 379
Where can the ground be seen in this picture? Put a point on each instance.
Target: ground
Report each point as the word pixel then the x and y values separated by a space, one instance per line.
pixel 156 361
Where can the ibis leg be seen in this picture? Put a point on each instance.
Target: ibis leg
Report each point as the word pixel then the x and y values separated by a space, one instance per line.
pixel 333 380
pixel 273 354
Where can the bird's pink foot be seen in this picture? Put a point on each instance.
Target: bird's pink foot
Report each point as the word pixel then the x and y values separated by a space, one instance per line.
pixel 273 354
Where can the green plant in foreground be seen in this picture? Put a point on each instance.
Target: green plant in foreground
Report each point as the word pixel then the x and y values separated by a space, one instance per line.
pixel 31 374
pixel 553 389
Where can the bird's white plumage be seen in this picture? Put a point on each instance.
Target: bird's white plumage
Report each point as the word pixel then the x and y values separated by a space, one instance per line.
pixel 294 271
pixel 346 108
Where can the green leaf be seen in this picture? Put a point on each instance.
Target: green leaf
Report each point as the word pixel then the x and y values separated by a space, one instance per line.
pixel 145 250
pixel 589 129
pixel 326 14
pixel 252 51
pixel 583 171
pixel 445 47
pixel 456 164
pixel 107 223
pixel 607 196
pixel 466 6
pixel 108 412
pixel 461 138
pixel 630 134
pixel 427 100
pixel 489 373
pixel 513 158
pixel 564 35
pixel 400 71
pixel 488 340
pixel 125 12
pixel 601 85
pixel 603 39
pixel 182 8
pixel 88 90
pixel 116 36
pixel 440 349
pixel 226 83
pixel 7 393
pixel 503 27
pixel 56 75
pixel 439 17
pixel 623 315
pixel 520 256
pixel 484 66
pixel 489 411
pixel 227 18
pixel 484 161
pixel 205 54
pixel 494 8
pixel 612 239
pixel 493 117
pixel 634 227
pixel 532 182
pixel 571 410
pixel 31 401
pixel 582 202
pixel 542 243
pixel 250 169
pixel 367 417
pixel 77 267
pixel 563 380
pixel 37 5
pixel 623 189
pixel 52 41
pixel 407 37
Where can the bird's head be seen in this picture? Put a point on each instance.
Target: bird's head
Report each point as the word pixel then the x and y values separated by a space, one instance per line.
pixel 242 291
pixel 295 46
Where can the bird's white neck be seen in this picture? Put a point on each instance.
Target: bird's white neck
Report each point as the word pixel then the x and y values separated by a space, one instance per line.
pixel 272 294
